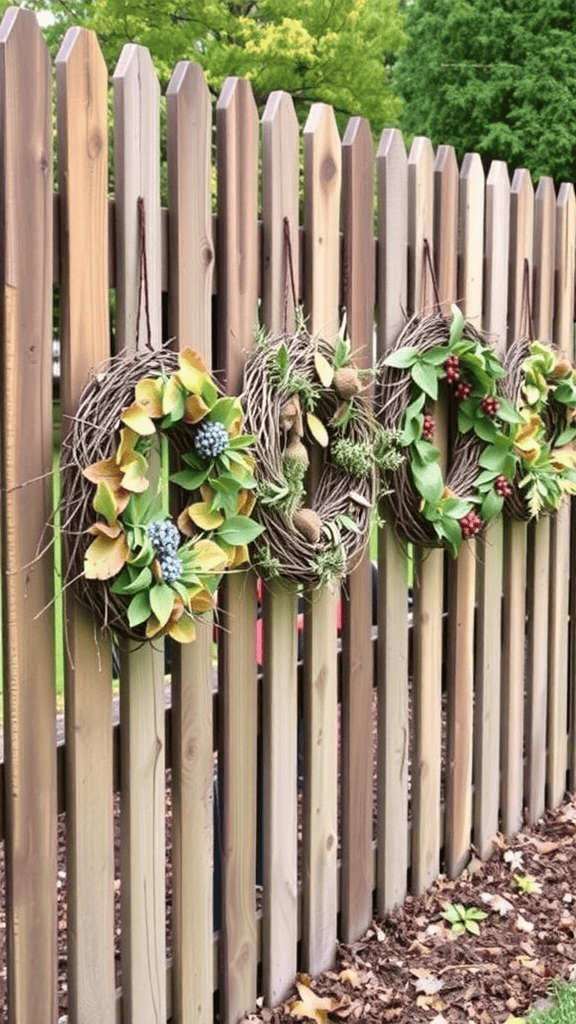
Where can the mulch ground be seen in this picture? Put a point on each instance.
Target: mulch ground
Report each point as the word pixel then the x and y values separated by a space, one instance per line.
pixel 411 968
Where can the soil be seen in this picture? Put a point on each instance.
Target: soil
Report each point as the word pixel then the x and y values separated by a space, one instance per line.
pixel 412 968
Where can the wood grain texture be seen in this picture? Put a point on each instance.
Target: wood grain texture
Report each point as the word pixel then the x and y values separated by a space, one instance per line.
pixel 558 631
pixel 462 580
pixel 322 175
pixel 237 155
pixel 280 683
pixel 189 141
pixel 83 170
pixel 137 174
pixel 26 454
pixel 486 767
pixel 515 534
pixel 358 274
pixel 392 649
pixel 538 570
pixel 428 566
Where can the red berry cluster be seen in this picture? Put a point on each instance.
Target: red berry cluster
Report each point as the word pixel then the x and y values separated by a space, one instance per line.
pixel 502 486
pixel 463 391
pixel 470 525
pixel 452 368
pixel 490 406
pixel 428 427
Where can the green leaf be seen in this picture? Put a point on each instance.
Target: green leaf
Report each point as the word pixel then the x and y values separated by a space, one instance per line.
pixel 162 602
pixel 209 393
pixel 426 378
pixel 139 608
pixel 497 459
pixel 403 358
pixel 452 532
pixel 224 411
pixel 465 423
pixel 226 490
pixel 345 521
pixel 485 429
pixel 239 530
pixel 242 441
pixel 282 359
pixel 492 505
pixel 455 508
pixel 457 325
pixel 145 556
pixel 427 480
pixel 190 479
pixel 126 585
pixel 104 503
pixel 194 460
pixel 436 356
pixel 426 452
pixel 508 413
pixel 472 926
pixel 487 477
pixel 565 437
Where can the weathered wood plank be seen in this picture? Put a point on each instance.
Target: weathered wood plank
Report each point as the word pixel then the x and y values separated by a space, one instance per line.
pixel 515 533
pixel 490 551
pixel 237 156
pixel 538 570
pixel 392 656
pixel 322 174
pixel 463 572
pixel 137 175
pixel 558 632
pixel 83 132
pixel 189 141
pixel 25 455
pixel 280 683
pixel 428 566
pixel 357 658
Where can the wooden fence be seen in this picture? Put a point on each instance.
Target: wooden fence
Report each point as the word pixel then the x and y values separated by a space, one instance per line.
pixel 472 690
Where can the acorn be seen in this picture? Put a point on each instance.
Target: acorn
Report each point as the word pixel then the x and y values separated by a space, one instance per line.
pixel 562 369
pixel 308 523
pixel 347 382
pixel 297 452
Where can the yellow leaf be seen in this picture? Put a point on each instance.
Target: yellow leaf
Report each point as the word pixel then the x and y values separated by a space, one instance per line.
pixel 184 523
pixel 172 395
pixel 317 429
pixel 201 515
pixel 241 556
pixel 349 974
pixel 246 502
pixel 195 409
pixel 323 369
pixel 105 557
pixel 134 479
pixel 311 1006
pixel 105 471
pixel 105 503
pixel 148 393
pixel 125 453
pixel 183 631
pixel 104 530
pixel 564 458
pixel 209 556
pixel 200 600
pixel 193 373
pixel 235 428
pixel 138 420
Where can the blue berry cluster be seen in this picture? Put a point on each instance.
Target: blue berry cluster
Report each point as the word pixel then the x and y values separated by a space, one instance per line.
pixel 211 439
pixel 165 540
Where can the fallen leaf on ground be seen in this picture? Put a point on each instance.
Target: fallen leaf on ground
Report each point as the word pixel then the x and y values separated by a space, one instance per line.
pixel 428 985
pixel 351 976
pixel 523 925
pixel 498 903
pixel 311 1006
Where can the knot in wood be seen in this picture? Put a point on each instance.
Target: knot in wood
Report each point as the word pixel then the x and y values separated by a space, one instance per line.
pixel 328 169
pixel 95 143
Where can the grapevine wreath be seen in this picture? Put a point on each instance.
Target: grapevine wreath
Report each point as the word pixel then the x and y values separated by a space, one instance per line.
pixel 541 450
pixel 141 574
pixel 300 393
pixel 434 354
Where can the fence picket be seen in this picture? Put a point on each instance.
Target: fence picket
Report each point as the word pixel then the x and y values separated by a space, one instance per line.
pixel 462 579
pixel 538 570
pixel 237 155
pixel 558 632
pixel 26 455
pixel 137 173
pixel 486 766
pixel 428 566
pixel 189 140
pixel 322 171
pixel 515 533
pixel 356 877
pixel 280 684
pixel 392 644
pixel 83 132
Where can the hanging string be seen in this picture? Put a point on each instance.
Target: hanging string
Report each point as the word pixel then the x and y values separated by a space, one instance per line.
pixel 428 261
pixel 143 276
pixel 526 324
pixel 289 273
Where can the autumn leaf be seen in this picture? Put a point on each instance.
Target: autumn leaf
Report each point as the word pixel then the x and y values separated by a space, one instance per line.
pixel 323 369
pixel 349 974
pixel 193 373
pixel 195 409
pixel 148 394
pixel 202 516
pixel 209 557
pixel 311 1006
pixel 317 429
pixel 183 630
pixel 138 420
pixel 106 555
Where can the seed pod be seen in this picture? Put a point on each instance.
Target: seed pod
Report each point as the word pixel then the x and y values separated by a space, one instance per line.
pixel 157 571
pixel 561 369
pixel 308 523
pixel 347 382
pixel 297 452
pixel 287 414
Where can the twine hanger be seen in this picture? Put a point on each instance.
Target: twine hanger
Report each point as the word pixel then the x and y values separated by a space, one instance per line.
pixel 428 261
pixel 526 323
pixel 143 276
pixel 289 273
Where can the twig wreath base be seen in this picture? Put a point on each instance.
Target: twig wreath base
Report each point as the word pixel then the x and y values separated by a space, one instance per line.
pixel 541 385
pixel 140 578
pixel 304 400
pixel 437 355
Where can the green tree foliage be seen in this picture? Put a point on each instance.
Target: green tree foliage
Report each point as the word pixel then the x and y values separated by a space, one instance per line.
pixel 336 51
pixel 494 76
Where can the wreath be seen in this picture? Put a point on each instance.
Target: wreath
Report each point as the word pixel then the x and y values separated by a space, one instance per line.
pixel 434 355
pixel 541 449
pixel 302 394
pixel 140 573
